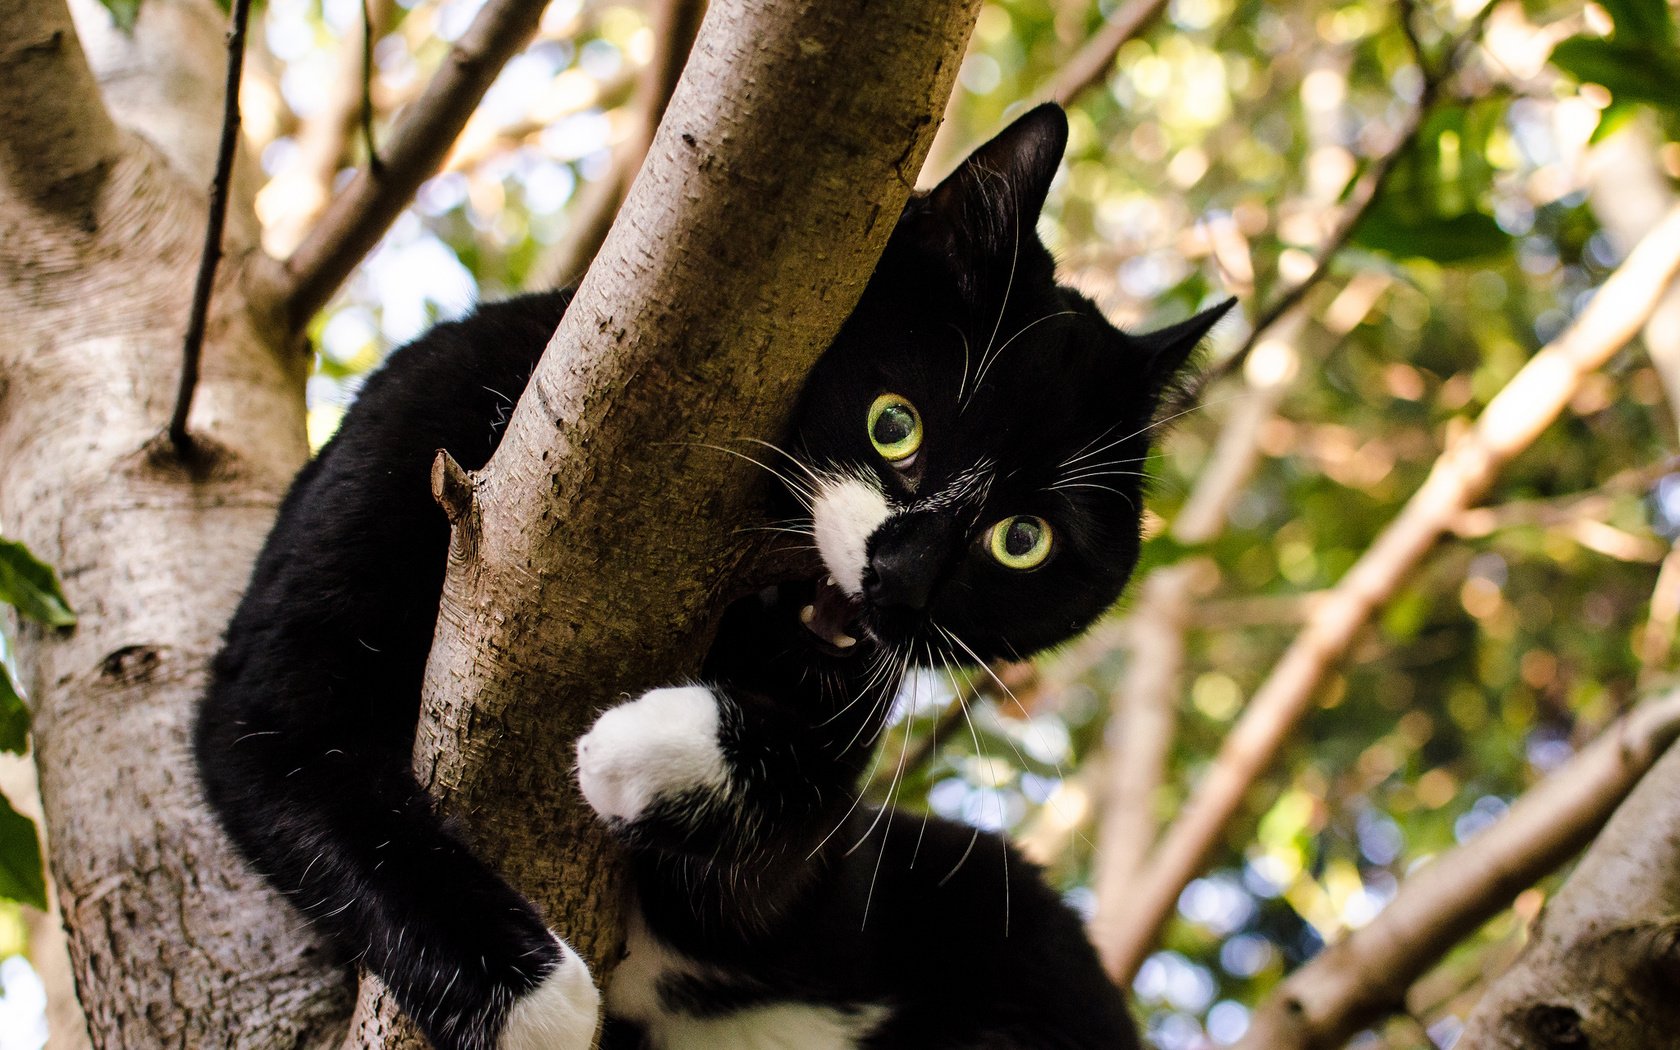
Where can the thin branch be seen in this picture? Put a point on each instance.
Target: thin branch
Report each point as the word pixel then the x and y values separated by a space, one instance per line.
pixel 1364 190
pixel 1090 65
pixel 1141 725
pixel 57 139
pixel 360 215
pixel 1361 978
pixel 375 165
pixel 1527 405
pixel 192 344
pixel 675 24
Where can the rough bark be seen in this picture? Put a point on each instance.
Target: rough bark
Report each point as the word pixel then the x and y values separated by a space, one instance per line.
pixel 1366 975
pixel 590 556
pixel 172 941
pixel 1602 965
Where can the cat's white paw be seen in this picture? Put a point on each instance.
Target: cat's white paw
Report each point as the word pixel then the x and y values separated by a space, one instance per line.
pixel 559 1014
pixel 661 744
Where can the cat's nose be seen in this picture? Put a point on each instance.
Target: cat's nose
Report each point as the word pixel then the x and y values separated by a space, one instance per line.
pixel 895 579
pixel 905 558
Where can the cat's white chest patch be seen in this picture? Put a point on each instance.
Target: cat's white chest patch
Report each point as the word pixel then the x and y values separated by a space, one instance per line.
pixel 635 996
pixel 846 512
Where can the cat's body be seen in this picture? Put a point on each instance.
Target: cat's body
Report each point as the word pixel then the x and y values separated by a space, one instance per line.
pixel 966 458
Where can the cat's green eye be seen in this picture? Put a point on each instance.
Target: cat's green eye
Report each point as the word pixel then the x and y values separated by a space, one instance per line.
pixel 895 429
pixel 1021 542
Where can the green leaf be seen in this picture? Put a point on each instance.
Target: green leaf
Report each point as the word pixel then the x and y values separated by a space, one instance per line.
pixel 14 717
pixel 21 877
pixel 1641 19
pixel 1405 234
pixel 123 13
pixel 1631 70
pixel 30 585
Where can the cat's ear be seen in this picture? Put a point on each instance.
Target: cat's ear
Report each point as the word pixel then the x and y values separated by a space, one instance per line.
pixel 1164 353
pixel 984 213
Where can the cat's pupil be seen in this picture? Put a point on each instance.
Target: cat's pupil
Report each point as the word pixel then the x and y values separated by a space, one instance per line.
pixel 894 425
pixel 1022 537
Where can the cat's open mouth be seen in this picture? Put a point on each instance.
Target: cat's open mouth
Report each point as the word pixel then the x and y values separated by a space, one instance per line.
pixel 832 617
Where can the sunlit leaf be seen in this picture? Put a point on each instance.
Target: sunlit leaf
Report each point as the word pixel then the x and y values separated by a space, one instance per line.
pixel 1631 70
pixel 14 717
pixel 21 877
pixel 29 585
pixel 123 13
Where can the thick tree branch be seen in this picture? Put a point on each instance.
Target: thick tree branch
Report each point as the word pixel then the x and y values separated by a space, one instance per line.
pixel 1601 967
pixel 355 220
pixel 1527 405
pixel 1364 976
pixel 606 532
pixel 57 142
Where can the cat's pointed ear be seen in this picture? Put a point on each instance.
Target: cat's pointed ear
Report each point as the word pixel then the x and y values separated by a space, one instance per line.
pixel 1164 352
pixel 986 210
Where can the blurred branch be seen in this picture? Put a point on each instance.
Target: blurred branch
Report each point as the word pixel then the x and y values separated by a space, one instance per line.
pixel 1464 471
pixel 1365 189
pixel 1090 65
pixel 57 141
pixel 1357 980
pixel 357 217
pixel 192 343
pixel 1656 638
pixel 1139 736
pixel 675 24
pixel 324 138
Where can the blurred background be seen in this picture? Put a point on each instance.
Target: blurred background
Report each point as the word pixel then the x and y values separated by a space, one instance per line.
pixel 1410 200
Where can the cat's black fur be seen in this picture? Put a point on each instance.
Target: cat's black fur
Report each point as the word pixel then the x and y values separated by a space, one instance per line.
pixel 769 905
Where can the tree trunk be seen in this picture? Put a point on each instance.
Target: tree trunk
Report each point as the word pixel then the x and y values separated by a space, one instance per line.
pixel 783 161
pixel 766 199
pixel 173 941
pixel 1602 965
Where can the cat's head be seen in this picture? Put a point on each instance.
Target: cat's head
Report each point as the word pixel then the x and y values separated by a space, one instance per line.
pixel 974 443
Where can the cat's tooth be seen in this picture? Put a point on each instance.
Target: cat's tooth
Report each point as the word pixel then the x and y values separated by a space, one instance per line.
pixel 807 614
pixel 829 580
pixel 844 641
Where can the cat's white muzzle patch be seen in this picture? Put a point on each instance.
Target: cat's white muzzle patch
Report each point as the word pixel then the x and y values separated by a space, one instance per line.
pixel 846 512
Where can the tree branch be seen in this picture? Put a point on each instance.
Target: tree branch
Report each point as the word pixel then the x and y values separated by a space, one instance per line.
pixel 1600 967
pixel 1359 979
pixel 1139 736
pixel 325 137
pixel 192 344
pixel 1090 65
pixel 1527 405
pixel 1364 191
pixel 675 23
pixel 607 532
pixel 360 215
pixel 57 141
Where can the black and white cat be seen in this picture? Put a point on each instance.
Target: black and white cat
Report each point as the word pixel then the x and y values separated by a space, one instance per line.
pixel 967 460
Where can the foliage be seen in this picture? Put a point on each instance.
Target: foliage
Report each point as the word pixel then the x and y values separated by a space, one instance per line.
pixel 31 587
pixel 1209 162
